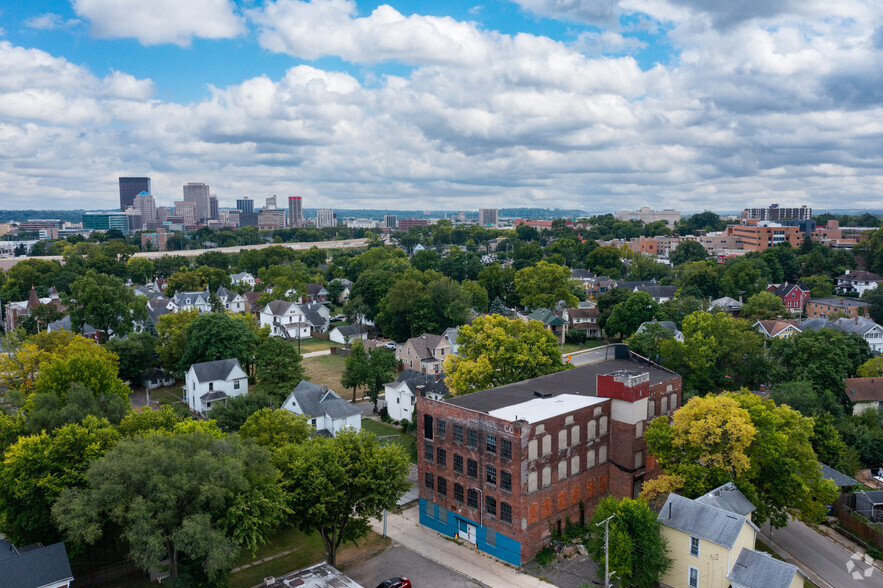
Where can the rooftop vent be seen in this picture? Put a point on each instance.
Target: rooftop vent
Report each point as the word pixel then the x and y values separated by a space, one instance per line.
pixel 539 394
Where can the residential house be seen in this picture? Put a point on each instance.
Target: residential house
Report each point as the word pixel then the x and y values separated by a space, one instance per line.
pixel 285 319
pixel 34 566
pixel 777 329
pixel 870 505
pixel 156 307
pixel 243 278
pixel 726 304
pixel 825 307
pixel 504 468
pixel 192 300
pixel 864 393
pixel 401 395
pixel 841 480
pixel 64 324
pixel 756 569
pixel 210 383
pixel 346 333
pixel 864 328
pixel 328 413
pixel 793 296
pixel 16 312
pixel 316 293
pixel 659 293
pixel 156 378
pixel 551 321
pixel 450 335
pixel 232 301
pixel 345 293
pixel 598 285
pixel 857 282
pixel 583 319
pixel 667 325
pixel 425 353
pixel 317 315
pixel 160 284
pixel 251 301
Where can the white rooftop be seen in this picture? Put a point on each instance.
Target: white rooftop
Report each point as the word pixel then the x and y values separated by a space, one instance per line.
pixel 540 409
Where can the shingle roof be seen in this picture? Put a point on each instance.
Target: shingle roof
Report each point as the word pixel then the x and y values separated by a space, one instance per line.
pixel 858 325
pixel 581 274
pixel 423 344
pixel 213 395
pixel 350 330
pixel 864 389
pixel 180 298
pixel 668 325
pixel 583 312
pixel 841 302
pixel 860 276
pixel 64 324
pixel 210 371
pixel 316 400
pixel 38 567
pixel 839 478
pixel 546 316
pixel 579 381
pixel 774 327
pixel 784 288
pixel 279 307
pixel 726 302
pixel 815 324
pixel 224 292
pixel 311 312
pixel 713 524
pixel 659 291
pixel 755 569
pixel 728 497
pixel 314 289
pixel 413 378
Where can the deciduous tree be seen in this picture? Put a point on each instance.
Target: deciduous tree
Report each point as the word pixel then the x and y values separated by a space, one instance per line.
pixel 231 415
pixel 210 337
pixel 824 358
pixel 688 251
pixel 278 368
pixel 628 315
pixel 273 428
pixel 355 372
pixel 543 285
pixel 764 306
pixel 171 338
pixel 104 302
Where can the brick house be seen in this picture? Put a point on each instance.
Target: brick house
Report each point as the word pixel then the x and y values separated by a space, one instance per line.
pixel 793 296
pixel 503 467
pixel 825 307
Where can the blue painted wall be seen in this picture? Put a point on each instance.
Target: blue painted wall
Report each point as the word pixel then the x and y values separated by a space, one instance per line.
pixel 505 548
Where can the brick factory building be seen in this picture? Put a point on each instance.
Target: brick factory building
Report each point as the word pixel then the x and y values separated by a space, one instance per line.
pixel 503 467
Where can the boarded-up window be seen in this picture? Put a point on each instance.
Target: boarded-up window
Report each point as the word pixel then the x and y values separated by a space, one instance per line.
pixel 532 449
pixel 574 435
pixel 639 429
pixel 602 454
pixel 531 481
pixel 602 484
pixel 674 401
pixel 562 500
pixel 664 404
pixel 590 488
pixel 562 439
pixel 574 495
pixel 547 476
pixel 547 444
pixel 533 513
pixel 547 507
pixel 651 409
pixel 603 430
pixel 562 469
pixel 590 459
pixel 491 538
pixel 574 465
pixel 592 431
pixel 639 459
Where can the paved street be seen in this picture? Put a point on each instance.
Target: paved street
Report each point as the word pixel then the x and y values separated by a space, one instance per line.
pixel 404 529
pixel 591 356
pixel 401 561
pixel 823 556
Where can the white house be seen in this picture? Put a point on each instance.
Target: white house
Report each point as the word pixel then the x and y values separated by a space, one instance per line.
pixel 346 333
pixel 212 382
pixel 189 300
pixel 328 412
pixel 157 378
pixel 317 314
pixel 285 319
pixel 865 328
pixel 243 278
pixel 231 300
pixel 857 282
pixel 347 288
pixel 401 395
pixel 667 325
pixel 34 565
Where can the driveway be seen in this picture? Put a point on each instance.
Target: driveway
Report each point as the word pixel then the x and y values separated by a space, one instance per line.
pixel 401 561
pixel 827 559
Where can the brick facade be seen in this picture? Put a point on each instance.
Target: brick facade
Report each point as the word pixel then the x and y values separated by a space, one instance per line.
pixel 560 466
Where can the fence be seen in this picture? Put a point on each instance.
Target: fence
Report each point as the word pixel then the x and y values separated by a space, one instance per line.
pixel 859 527
pixel 86 575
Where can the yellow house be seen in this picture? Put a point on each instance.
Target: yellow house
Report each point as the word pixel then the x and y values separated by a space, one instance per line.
pixel 711 543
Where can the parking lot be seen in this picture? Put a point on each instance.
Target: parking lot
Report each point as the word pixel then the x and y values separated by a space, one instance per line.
pixel 401 561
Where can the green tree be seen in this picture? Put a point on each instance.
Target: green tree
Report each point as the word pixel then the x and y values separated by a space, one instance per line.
pixel 638 551
pixel 764 306
pixel 191 497
pixel 81 362
pixel 605 261
pixel 820 286
pixel 628 315
pixel 496 350
pixel 140 270
pixel 499 282
pixel 875 299
pixel 688 251
pixel 678 308
pixel 210 337
pixel 171 338
pixel 46 411
pixel 278 368
pixel 830 447
pixel 698 279
pixel 356 369
pixel 274 428
pixel 608 301
pixel 136 353
pixel 382 365
pixel 543 285
pixel 38 318
pixel 104 302
pixel 823 358
pixel 764 449
pixel 741 278
pixel 336 486
pixel 646 343
pixel 231 415
pixel 37 468
pixel 871 369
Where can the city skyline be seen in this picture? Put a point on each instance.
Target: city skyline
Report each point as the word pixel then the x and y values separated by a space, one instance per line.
pixel 445 106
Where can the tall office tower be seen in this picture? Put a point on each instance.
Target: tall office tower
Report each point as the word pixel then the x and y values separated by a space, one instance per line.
pixel 187 211
pixel 295 211
pixel 134 218
pixel 164 212
pixel 325 218
pixel 487 216
pixel 146 206
pixel 390 221
pixel 131 187
pixel 213 207
pixel 775 213
pixel 199 193
pixel 271 203
pixel 245 205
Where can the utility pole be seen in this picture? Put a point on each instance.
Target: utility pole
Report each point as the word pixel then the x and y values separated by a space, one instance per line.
pixel 607 574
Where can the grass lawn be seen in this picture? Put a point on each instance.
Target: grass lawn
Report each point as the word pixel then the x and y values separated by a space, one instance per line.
pixel 326 370
pixel 574 347
pixel 308 345
pixel 306 550
pixel 406 440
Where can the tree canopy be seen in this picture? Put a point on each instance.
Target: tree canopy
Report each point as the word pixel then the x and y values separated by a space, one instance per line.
pixel 278 368
pixel 543 285
pixel 210 337
pixel 764 306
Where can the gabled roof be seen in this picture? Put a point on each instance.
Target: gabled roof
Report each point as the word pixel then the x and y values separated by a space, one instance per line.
pixel 180 298
pixel 315 289
pixel 815 324
pixel 581 274
pixel 213 395
pixel 858 324
pixel 424 343
pixel 33 568
pixel 547 317
pixel 659 291
pixel 315 400
pixel 241 275
pixel 839 478
pixel 708 522
pixel 785 288
pixel 311 312
pixel 668 325
pixel 343 281
pixel 728 497
pixel 755 569
pixel 726 303
pixel 281 307
pixel 413 378
pixel 774 327
pixel 224 293
pixel 64 324
pixel 350 330
pixel 582 312
pixel 860 276
pixel 840 302
pixel 864 389
pixel 210 371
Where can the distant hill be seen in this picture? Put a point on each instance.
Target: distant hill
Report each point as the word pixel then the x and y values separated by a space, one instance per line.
pixel 73 216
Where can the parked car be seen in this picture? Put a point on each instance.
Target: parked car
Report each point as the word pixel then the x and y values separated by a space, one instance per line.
pixel 391 345
pixel 395 583
pixel 338 317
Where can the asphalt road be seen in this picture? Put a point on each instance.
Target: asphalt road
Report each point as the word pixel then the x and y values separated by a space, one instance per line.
pixel 823 556
pixel 401 561
pixel 593 356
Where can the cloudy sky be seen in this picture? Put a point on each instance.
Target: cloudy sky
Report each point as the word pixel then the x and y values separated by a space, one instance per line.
pixel 592 104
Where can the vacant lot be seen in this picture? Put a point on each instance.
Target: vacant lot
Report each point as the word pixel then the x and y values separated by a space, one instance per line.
pixel 406 440
pixel 326 370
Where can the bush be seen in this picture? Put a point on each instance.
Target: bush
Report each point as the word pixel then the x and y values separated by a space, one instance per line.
pixel 545 556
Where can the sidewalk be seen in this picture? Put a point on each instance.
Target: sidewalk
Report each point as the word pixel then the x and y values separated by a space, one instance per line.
pixel 405 529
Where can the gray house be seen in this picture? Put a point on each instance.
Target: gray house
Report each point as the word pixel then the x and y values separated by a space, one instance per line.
pixel 328 412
